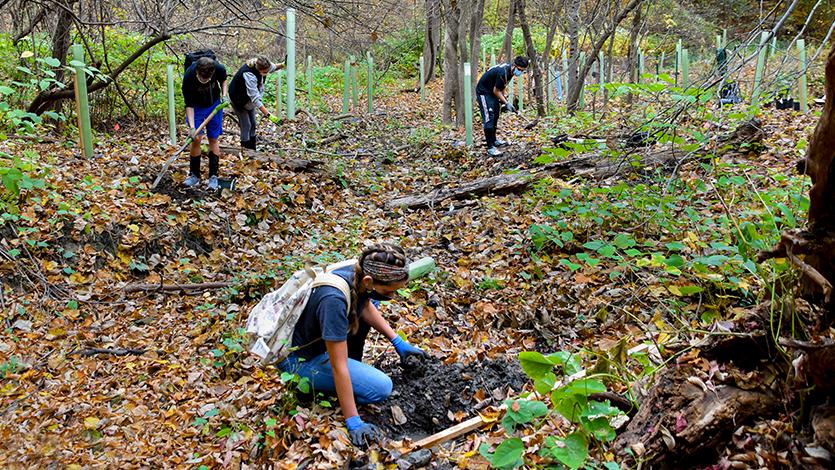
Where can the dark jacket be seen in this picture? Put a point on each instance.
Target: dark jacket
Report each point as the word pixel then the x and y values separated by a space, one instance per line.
pixel 198 95
pixel 238 94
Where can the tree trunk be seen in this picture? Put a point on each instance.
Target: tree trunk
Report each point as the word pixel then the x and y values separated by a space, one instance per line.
pixel 46 98
pixel 536 71
pixel 432 38
pixel 549 39
pixel 507 44
pixel 632 53
pixel 39 16
pixel 61 38
pixel 452 90
pixel 464 9
pixel 577 85
pixel 820 166
pixel 476 21
pixel 573 31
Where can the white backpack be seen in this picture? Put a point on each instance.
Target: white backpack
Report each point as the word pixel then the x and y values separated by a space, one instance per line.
pixel 271 323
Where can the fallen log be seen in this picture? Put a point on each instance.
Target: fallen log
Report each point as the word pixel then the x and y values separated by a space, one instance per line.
pixel 590 165
pixel 682 418
pixel 292 164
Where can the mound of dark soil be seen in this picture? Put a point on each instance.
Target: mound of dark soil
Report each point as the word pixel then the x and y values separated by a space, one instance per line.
pixel 430 393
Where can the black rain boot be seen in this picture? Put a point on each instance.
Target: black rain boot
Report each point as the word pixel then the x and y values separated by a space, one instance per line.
pixel 214 164
pixel 193 171
pixel 253 142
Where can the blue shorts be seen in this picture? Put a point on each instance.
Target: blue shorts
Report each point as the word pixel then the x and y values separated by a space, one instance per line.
pixel 215 127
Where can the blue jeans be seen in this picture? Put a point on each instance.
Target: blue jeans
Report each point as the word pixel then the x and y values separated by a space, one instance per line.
pixel 370 385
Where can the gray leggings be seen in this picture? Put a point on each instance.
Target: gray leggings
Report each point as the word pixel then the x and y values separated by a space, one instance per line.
pixel 246 118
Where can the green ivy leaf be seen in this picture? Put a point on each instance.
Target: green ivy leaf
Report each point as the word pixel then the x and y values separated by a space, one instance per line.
pixel 535 365
pixel 572 451
pixel 507 456
pixel 522 412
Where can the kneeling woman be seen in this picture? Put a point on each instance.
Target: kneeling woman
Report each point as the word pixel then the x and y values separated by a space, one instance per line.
pixel 334 365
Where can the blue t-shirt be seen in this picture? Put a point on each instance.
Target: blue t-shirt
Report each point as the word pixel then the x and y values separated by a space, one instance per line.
pixel 325 317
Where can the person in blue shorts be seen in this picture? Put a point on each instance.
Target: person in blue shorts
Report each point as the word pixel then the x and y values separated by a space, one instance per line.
pixel 204 87
pixel 329 338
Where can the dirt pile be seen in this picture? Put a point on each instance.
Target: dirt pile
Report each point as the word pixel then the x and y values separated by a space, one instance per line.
pixel 432 396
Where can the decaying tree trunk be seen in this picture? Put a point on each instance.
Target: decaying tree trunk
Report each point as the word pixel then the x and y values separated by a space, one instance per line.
pixel 452 87
pixel 432 38
pixel 507 43
pixel 536 70
pixel 684 417
pixel 589 165
pixel 817 242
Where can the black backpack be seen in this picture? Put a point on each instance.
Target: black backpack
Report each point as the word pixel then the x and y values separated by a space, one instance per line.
pixel 192 57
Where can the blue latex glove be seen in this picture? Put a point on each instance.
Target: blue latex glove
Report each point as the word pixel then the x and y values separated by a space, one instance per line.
pixel 362 434
pixel 404 349
pixel 510 107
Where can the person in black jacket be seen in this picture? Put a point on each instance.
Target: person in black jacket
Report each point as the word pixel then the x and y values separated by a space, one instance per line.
pixel 203 89
pixel 246 91
pixel 490 94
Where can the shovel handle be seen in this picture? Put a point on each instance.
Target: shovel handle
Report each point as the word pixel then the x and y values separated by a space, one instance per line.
pixel 188 141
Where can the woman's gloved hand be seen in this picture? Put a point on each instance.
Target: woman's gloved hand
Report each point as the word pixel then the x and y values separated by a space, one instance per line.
pixel 362 434
pixel 405 350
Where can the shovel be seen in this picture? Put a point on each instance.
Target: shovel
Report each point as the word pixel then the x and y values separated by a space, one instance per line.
pixel 528 123
pixel 187 143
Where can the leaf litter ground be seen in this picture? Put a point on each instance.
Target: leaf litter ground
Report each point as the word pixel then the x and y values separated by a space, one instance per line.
pixel 193 399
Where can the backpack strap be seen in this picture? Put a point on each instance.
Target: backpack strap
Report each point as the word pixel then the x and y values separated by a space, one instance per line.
pixel 333 280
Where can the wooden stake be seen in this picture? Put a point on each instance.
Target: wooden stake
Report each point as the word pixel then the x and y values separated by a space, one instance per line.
pixel 450 433
pixel 82 103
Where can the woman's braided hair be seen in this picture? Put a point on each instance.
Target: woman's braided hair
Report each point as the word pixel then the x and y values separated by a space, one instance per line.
pixel 385 263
